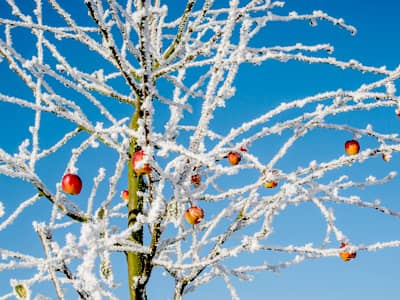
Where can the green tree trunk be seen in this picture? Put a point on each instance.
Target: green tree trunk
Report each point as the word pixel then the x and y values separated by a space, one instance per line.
pixel 135 261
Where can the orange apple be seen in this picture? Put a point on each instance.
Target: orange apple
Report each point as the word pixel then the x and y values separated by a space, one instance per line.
pixel 139 167
pixel 234 158
pixel 271 184
pixel 125 195
pixel 71 184
pixel 346 256
pixel 194 215
pixel 385 157
pixel 352 147
pixel 196 179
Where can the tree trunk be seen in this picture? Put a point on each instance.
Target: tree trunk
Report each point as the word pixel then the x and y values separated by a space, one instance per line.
pixel 135 261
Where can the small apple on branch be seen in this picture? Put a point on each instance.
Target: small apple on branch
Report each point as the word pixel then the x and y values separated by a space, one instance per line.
pixel 234 158
pixel 351 147
pixel 345 255
pixel 196 179
pixel 194 215
pixel 272 183
pixel 125 195
pixel 71 184
pixel 139 166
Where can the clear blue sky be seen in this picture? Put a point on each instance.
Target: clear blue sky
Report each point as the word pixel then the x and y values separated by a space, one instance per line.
pixel 371 275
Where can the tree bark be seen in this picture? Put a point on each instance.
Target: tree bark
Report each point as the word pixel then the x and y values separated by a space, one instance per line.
pixel 135 261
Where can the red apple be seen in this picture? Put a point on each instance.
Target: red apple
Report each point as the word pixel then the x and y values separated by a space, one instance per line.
pixel 234 158
pixel 196 179
pixel 139 167
pixel 243 149
pixel 125 195
pixel 346 256
pixel 71 184
pixel 194 215
pixel 352 147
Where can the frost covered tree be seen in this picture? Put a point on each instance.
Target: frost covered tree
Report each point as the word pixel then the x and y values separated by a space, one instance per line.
pixel 124 95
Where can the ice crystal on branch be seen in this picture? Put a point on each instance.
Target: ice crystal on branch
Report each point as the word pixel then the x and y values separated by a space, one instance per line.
pixel 1 209
pixel 101 81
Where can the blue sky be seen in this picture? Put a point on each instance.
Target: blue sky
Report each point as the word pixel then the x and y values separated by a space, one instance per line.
pixel 371 275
